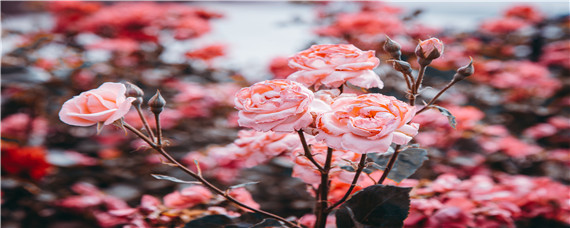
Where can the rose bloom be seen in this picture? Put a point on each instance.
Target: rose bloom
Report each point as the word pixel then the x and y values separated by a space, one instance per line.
pixel 102 105
pixel 366 123
pixel 333 65
pixel 277 105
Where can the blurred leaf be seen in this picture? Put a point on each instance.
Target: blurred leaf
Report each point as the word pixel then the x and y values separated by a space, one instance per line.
pixel 447 113
pixel 408 161
pixel 375 206
pixel 268 222
pixel 348 168
pixel 173 179
pixel 210 221
pixel 243 185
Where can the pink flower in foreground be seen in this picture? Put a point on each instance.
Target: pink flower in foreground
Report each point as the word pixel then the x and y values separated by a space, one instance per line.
pixel 102 105
pixel 188 197
pixel 333 65
pixel 277 105
pixel 366 123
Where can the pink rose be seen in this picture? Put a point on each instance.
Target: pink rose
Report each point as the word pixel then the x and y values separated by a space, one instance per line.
pixel 426 48
pixel 278 105
pixel 333 65
pixel 102 105
pixel 188 197
pixel 366 123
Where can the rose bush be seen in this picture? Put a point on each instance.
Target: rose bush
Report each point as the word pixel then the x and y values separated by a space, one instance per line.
pixel 102 105
pixel 333 65
pixel 366 123
pixel 277 105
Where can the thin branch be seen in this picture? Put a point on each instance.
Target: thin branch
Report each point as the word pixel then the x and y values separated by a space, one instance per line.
pixel 390 164
pixel 145 122
pixel 437 96
pixel 158 130
pixel 204 181
pixel 307 150
pixel 322 204
pixel 361 166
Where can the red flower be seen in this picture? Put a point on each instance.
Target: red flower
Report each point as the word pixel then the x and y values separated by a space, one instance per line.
pixel 26 161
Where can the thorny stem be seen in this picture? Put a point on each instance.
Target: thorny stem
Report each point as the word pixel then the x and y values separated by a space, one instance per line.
pixel 307 150
pixel 412 94
pixel 390 164
pixel 321 207
pixel 437 96
pixel 158 130
pixel 202 180
pixel 361 166
pixel 145 122
pixel 420 78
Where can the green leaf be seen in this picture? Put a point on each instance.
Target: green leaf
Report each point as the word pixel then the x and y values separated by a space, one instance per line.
pixel 211 221
pixel 447 113
pixel 243 185
pixel 375 206
pixel 408 161
pixel 173 179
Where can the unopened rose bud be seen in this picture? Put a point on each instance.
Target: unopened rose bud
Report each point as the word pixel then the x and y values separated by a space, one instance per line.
pixel 464 71
pixel 393 48
pixel 429 50
pixel 156 103
pixel 134 91
pixel 402 66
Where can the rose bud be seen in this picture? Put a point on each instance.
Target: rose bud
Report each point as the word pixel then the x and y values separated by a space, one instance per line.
pixel 464 71
pixel 134 91
pixel 402 66
pixel 393 48
pixel 429 50
pixel 156 103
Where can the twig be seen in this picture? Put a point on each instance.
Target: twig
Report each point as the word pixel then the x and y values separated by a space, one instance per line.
pixel 437 96
pixel 361 166
pixel 321 206
pixel 158 130
pixel 202 180
pixel 145 122
pixel 390 164
pixel 307 150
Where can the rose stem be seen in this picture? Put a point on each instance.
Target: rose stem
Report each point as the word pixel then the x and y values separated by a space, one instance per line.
pixel 390 164
pixel 158 130
pixel 353 184
pixel 420 78
pixel 307 150
pixel 437 96
pixel 145 122
pixel 201 179
pixel 322 201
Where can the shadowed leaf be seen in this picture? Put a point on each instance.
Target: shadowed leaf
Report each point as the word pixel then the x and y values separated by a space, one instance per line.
pixel 408 161
pixel 210 221
pixel 173 179
pixel 447 113
pixel 375 206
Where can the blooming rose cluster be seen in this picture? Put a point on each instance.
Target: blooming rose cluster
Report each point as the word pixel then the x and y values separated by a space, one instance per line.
pixel 513 19
pixel 482 202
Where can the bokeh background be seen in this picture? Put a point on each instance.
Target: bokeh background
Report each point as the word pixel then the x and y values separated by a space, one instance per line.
pixel 506 164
